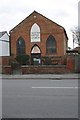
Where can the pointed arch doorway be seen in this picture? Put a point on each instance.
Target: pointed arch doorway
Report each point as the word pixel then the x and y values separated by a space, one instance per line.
pixel 35 55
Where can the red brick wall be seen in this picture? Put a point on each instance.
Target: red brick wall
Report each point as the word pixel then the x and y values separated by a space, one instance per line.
pixel 6 70
pixel 69 67
pixel 40 69
pixel 0 60
pixel 44 69
pixel 47 28
pixel 4 61
pixel 37 69
pixel 71 62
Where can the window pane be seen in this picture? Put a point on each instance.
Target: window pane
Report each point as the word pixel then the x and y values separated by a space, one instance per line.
pixel 51 45
pixel 35 33
pixel 20 46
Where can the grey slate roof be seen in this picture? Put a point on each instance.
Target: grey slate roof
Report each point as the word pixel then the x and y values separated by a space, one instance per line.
pixel 2 33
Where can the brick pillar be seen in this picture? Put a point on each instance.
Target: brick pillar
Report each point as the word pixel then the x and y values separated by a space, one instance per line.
pixel 71 63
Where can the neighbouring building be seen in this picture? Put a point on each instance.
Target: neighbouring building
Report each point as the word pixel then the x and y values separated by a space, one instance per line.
pixel 74 51
pixel 4 44
pixel 38 36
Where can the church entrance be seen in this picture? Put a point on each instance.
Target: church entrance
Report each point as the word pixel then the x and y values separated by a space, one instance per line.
pixel 36 59
pixel 35 55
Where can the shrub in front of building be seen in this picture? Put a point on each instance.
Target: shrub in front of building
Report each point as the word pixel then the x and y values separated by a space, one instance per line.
pixel 46 61
pixel 23 59
pixel 49 61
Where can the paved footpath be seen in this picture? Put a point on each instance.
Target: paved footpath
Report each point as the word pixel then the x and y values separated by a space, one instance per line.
pixel 42 76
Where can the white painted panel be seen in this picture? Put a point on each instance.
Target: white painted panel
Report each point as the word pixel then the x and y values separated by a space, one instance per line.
pixel 35 50
pixel 4 45
pixel 4 49
pixel 0 48
pixel 5 37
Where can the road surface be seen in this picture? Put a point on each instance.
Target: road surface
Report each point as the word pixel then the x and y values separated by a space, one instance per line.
pixel 23 98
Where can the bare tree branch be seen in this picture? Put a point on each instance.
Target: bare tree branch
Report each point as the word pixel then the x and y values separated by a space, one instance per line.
pixel 76 35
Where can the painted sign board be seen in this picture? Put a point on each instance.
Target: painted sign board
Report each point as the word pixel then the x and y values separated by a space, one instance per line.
pixel 37 60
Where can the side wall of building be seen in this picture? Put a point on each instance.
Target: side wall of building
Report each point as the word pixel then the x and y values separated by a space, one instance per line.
pixel 4 45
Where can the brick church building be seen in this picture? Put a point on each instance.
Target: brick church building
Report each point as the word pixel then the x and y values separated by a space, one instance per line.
pixel 38 36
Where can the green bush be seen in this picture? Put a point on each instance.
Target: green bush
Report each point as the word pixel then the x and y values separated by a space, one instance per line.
pixel 48 61
pixel 23 59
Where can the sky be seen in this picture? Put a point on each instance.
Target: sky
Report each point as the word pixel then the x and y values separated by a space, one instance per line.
pixel 63 12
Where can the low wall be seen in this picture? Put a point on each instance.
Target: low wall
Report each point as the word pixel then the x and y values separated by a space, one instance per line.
pixel 72 65
pixel 0 69
pixel 44 69
pixel 4 60
pixel 0 61
pixel 77 64
pixel 71 62
pixel 6 70
pixel 37 69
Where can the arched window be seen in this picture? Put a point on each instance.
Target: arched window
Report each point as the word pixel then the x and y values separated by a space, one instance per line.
pixel 51 45
pixel 20 46
pixel 35 33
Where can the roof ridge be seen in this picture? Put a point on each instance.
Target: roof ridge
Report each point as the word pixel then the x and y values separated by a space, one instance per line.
pixel 44 17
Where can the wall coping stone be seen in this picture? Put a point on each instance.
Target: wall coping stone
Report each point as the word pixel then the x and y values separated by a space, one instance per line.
pixel 37 66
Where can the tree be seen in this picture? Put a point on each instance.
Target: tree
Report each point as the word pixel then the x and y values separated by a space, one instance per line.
pixel 76 36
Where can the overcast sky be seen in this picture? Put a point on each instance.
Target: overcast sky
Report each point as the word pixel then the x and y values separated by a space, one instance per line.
pixel 63 12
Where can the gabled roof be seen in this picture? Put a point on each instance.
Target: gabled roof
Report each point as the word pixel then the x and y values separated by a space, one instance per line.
pixel 4 36
pixel 2 33
pixel 44 17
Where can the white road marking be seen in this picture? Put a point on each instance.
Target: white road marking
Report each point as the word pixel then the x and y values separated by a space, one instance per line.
pixel 58 87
